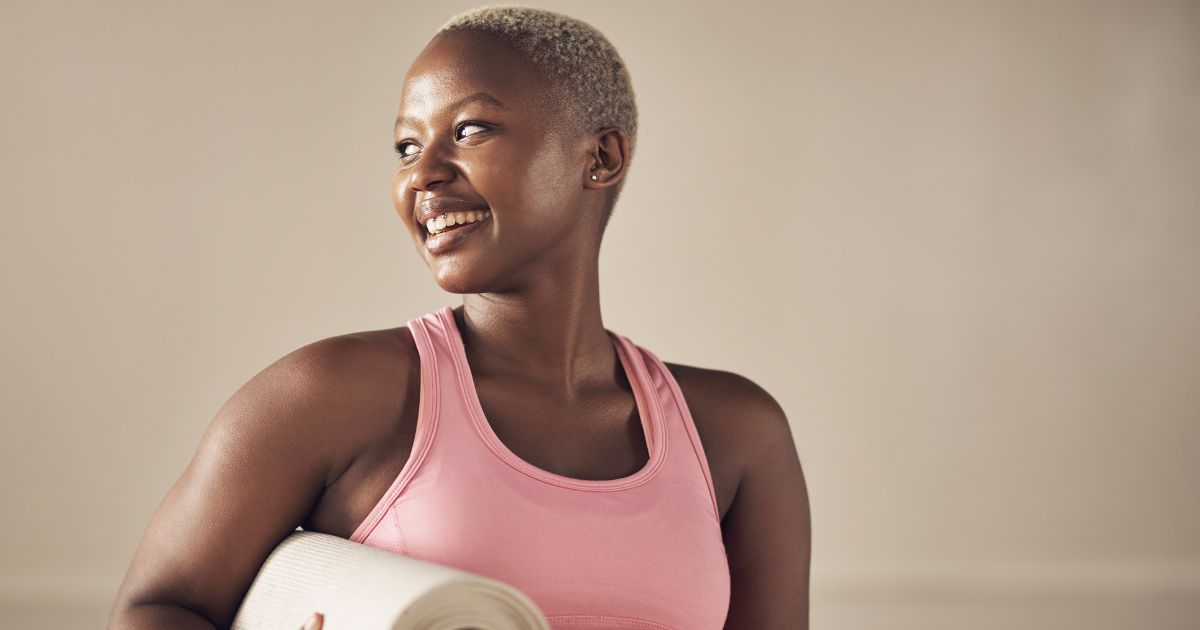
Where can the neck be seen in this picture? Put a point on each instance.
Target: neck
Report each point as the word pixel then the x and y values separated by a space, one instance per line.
pixel 551 334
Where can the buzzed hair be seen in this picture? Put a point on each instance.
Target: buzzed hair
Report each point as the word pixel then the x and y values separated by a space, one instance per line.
pixel 573 55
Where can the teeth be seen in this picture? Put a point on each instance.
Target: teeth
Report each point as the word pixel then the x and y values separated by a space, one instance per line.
pixel 450 219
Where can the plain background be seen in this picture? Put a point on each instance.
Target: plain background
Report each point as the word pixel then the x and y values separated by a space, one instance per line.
pixel 958 241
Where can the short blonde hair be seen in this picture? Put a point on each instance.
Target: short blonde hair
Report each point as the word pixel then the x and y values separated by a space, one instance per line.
pixel 572 54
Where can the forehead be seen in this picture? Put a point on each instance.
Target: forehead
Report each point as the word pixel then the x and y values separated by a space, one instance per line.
pixel 452 68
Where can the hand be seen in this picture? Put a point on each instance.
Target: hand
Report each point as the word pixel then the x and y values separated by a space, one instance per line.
pixel 315 622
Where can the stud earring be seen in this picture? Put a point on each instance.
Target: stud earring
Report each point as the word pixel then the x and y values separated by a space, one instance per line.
pixel 594 176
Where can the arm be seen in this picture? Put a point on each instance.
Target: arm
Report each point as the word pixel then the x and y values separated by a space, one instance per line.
pixel 262 464
pixel 768 528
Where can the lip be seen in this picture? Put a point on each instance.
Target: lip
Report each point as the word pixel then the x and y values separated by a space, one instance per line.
pixel 444 241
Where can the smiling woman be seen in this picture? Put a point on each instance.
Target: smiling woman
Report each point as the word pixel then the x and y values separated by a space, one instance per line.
pixel 514 436
pixel 499 112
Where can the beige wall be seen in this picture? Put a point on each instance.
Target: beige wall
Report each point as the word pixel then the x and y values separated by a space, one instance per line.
pixel 975 288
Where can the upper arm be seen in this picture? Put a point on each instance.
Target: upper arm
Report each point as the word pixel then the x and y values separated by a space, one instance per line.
pixel 768 528
pixel 261 465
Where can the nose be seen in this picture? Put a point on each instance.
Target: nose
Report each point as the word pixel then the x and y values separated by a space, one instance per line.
pixel 432 168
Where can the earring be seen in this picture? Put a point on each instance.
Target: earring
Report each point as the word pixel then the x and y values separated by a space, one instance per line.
pixel 594 176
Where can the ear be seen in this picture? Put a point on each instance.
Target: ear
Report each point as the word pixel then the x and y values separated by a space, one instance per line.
pixel 610 153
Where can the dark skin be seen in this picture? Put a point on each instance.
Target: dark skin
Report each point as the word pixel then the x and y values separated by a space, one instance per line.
pixel 316 438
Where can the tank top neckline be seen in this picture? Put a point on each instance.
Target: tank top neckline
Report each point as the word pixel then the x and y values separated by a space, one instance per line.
pixel 648 406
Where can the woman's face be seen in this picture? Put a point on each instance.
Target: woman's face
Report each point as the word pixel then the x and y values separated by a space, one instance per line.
pixel 479 127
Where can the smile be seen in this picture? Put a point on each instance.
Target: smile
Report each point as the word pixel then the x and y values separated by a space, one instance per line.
pixel 451 219
pixel 444 237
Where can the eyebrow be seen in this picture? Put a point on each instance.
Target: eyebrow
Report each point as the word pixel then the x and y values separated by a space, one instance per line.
pixel 482 97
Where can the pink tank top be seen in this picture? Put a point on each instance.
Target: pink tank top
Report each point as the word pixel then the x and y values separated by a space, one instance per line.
pixel 639 552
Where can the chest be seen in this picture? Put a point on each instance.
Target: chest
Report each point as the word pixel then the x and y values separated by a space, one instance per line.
pixel 599 438
pixel 604 438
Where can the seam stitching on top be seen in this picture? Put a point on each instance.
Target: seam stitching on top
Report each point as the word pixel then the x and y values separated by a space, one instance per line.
pixel 428 412
pixel 399 531
pixel 693 434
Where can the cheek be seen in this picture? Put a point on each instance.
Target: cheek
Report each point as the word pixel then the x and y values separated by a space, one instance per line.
pixel 537 182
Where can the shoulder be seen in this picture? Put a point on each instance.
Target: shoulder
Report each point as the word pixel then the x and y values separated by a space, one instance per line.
pixel 345 357
pixel 353 386
pixel 261 466
pixel 745 407
pixel 721 387
pixel 731 410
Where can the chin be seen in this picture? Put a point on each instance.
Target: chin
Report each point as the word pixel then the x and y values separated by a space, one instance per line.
pixel 462 277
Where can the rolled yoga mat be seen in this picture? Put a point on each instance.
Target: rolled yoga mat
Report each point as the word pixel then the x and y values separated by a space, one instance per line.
pixel 359 587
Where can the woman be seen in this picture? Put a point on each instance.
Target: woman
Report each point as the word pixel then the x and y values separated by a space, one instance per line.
pixel 513 436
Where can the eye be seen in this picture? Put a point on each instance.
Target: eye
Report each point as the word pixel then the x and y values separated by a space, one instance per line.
pixel 401 147
pixel 470 123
